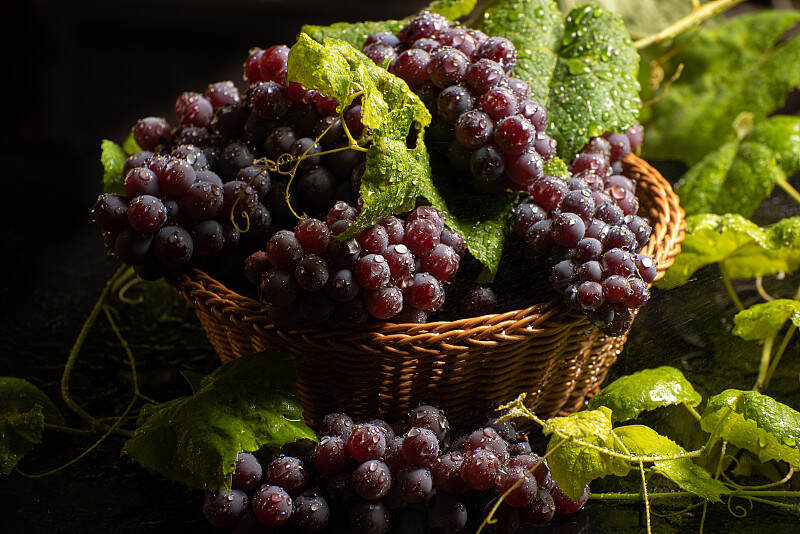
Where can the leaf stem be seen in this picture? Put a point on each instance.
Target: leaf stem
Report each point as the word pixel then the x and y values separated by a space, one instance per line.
pixel 668 495
pixel 763 368
pixel 778 354
pixel 68 430
pixel 694 412
pixel 646 500
pixel 76 348
pixel 787 187
pixel 731 292
pixel 695 18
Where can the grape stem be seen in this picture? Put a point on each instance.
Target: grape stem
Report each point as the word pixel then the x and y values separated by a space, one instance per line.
pixel 698 16
pixel 669 495
pixel 763 368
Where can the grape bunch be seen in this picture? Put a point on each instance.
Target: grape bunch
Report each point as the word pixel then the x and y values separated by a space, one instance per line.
pixel 394 270
pixel 371 477
pixel 485 119
pixel 200 188
pixel 588 230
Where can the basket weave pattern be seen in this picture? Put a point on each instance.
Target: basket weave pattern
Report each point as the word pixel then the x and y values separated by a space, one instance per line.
pixel 554 355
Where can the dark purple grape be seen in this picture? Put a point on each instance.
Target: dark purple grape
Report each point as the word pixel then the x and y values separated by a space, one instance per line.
pixel 311 273
pixel 173 246
pixel 540 511
pixel 278 288
pixel 539 236
pixel 191 155
pixel 487 438
pixel 620 146
pixel 330 455
pixel 208 238
pixel 639 293
pixel 400 261
pixel 460 39
pixel 149 132
pixel 621 181
pixel 513 134
pixel 447 66
pixel 225 508
pixel 140 181
pixel 373 240
pixel 269 100
pixel 372 271
pixel 409 314
pixel 442 262
pixel 132 247
pixel 477 302
pixel 480 469
pixel 563 274
pixel 635 136
pixel 368 518
pixel 412 67
pixel 525 493
pixel 610 213
pixel 499 102
pixel 544 145
pixel 146 214
pixel 257 178
pixel 474 129
pixel 567 229
pixel 433 419
pixel 618 261
pixel 177 178
pixel 336 424
pixel 453 102
pixel 590 161
pixel 234 157
pixel 193 109
pixel 256 265
pixel 284 250
pixel 420 447
pixel 313 235
pixel 640 228
pixel 520 88
pixel 646 268
pixel 588 249
pixel 110 213
pixel 280 141
pixel 372 480
pixel 342 286
pixel 203 201
pixel 310 513
pixel 616 289
pixel 590 295
pixel 222 94
pixel 424 25
pixel 209 177
pixel 500 50
pixel 580 203
pixel 421 236
pixel 343 254
pixel 620 237
pixel 414 484
pixel 535 113
pixel 484 74
pixel 425 293
pixel 272 506
pixel 289 473
pixel 597 229
pixel 138 159
pixel 487 165
pixel 549 191
pixel 625 199
pixel 446 473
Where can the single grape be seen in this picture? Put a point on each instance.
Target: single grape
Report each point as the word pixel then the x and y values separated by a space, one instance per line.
pixel 480 469
pixel 177 178
pixel 567 229
pixel 256 265
pixel 549 191
pixel 487 438
pixel 409 314
pixel 564 505
pixel 616 289
pixel 140 181
pixel 500 50
pixel 563 274
pixel 269 100
pixel 590 295
pixel 343 254
pixel 383 303
pixel 234 157
pixel 330 455
pixel 446 514
pixel 535 113
pixel 372 480
pixel 474 129
pixel 432 418
pixel 372 271
pixel 310 513
pixel 484 74
pixel 132 247
pixel 272 506
pixel 173 246
pixel 150 132
pixel 368 518
pixel 366 442
pixel 191 155
pixel 208 238
pixel 193 109
pixel 487 165
pixel 278 288
pixel 646 268
pixel 499 102
pixel 446 473
pixel 225 508
pixel 540 511
pixel 453 102
pixel 284 250
pixel 639 293
pixel 289 473
pixel 412 67
pixel 526 490
pixel 311 273
pixel 447 66
pixel 203 201
pixel 420 447
pixel 620 146
pixel 425 292
pixel 336 424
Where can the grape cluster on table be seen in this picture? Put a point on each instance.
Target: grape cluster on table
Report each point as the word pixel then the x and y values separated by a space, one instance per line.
pixel 485 119
pixel 393 270
pixel 376 478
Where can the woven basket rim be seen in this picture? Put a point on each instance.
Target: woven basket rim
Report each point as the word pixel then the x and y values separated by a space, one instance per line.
pixel 663 246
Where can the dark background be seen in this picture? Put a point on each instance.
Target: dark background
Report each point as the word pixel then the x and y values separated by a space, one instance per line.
pixel 78 72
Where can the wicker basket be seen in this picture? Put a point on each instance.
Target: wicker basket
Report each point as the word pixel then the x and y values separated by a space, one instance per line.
pixel 554 355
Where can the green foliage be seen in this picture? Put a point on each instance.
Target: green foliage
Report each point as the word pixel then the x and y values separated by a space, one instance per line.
pixel 583 69
pixel 738 66
pixel 742 248
pixel 642 17
pixel 556 167
pixel 756 422
pixel 24 408
pixel 242 406
pixel 761 321
pixel 112 157
pixel 736 177
pixel 574 465
pixel 649 389
pixel 355 33
pixel 644 441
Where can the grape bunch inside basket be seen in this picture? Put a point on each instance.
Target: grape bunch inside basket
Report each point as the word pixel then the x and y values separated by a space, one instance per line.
pixel 554 355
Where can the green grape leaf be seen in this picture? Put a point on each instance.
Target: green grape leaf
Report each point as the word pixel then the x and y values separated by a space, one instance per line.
pixel 645 390
pixel 130 146
pixel 756 422
pixel 242 406
pixel 740 65
pixel 112 157
pixel 556 167
pixel 737 176
pixel 24 408
pixel 574 465
pixel 644 441
pixel 583 69
pixel 355 33
pixel 642 17
pixel 742 248
pixel 761 321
